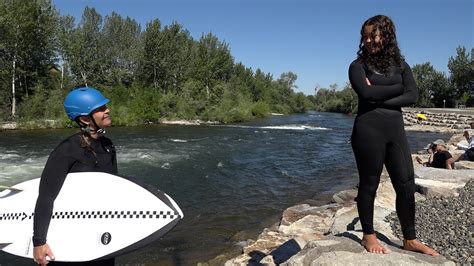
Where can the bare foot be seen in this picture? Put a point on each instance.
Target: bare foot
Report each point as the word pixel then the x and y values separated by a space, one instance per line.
pixel 418 246
pixel 372 245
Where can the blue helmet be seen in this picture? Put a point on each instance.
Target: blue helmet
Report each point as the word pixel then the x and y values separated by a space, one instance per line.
pixel 83 101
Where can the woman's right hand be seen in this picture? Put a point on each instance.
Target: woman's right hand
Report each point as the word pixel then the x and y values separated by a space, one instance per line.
pixel 41 252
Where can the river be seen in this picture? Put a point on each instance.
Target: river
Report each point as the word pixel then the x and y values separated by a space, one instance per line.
pixel 230 180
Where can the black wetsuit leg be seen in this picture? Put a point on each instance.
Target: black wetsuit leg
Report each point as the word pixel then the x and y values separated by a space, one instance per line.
pixel 399 165
pixel 379 137
pixel 369 150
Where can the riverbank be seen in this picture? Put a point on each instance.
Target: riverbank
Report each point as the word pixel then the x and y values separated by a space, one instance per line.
pixel 440 120
pixel 331 233
pixel 51 124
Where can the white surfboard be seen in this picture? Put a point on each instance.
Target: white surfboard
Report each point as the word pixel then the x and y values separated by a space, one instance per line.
pixel 95 216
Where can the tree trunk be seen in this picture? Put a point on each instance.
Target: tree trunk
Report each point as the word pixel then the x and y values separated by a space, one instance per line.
pixel 13 87
pixel 155 82
pixel 62 76
pixel 25 84
pixel 84 78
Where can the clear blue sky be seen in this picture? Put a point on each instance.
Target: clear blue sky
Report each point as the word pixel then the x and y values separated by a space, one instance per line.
pixel 316 39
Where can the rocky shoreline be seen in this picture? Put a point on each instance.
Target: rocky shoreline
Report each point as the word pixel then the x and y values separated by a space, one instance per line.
pixel 330 234
pixel 449 228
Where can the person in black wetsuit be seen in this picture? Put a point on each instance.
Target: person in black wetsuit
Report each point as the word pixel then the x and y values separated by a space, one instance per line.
pixel 87 151
pixel 384 83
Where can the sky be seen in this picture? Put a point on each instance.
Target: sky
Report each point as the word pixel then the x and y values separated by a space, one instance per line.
pixel 316 39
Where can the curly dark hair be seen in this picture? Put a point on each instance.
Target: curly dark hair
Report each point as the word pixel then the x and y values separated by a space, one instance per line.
pixel 389 54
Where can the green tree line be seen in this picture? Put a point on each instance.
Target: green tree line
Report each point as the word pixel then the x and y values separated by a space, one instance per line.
pixel 436 89
pixel 152 73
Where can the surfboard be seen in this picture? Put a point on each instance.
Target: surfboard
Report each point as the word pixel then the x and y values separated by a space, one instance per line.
pixel 96 216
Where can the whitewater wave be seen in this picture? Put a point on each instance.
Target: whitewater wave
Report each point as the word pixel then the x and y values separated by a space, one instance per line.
pixel 9 156
pixel 13 173
pixel 149 156
pixel 186 140
pixel 178 140
pixel 281 127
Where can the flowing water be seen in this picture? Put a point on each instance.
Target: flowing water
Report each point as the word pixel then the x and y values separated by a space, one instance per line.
pixel 231 181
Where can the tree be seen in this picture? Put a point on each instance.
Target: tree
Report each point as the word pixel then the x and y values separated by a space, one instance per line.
pixel 150 68
pixel 334 100
pixel 443 91
pixel 83 48
pixel 288 79
pixel 176 53
pixel 423 74
pixel 262 85
pixel 122 37
pixel 212 62
pixel 242 79
pixel 434 87
pixel 28 29
pixel 462 75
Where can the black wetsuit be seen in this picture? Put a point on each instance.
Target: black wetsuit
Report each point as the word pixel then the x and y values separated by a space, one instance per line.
pixel 379 138
pixel 69 157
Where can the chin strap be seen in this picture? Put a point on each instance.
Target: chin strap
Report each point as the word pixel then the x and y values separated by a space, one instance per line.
pixel 86 128
pixel 99 130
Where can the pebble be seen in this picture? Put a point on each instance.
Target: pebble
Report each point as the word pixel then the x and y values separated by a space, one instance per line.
pixel 444 224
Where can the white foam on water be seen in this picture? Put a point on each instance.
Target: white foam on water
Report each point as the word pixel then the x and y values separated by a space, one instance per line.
pixel 296 127
pixel 22 171
pixel 282 127
pixel 178 140
pixel 17 166
pixel 9 156
pixel 166 166
pixel 148 156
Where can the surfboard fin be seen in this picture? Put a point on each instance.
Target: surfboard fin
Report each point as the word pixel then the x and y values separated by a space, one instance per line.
pixel 10 188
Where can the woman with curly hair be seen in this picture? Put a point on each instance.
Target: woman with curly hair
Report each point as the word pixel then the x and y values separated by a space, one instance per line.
pixel 384 83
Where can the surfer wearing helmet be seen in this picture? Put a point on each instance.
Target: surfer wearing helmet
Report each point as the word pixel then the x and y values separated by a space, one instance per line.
pixel 86 151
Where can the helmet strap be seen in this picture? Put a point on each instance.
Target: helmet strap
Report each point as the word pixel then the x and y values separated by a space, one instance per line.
pixel 99 130
pixel 83 126
pixel 86 127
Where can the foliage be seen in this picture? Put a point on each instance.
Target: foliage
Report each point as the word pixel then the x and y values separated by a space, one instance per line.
pixel 27 47
pixel 435 88
pixel 334 100
pixel 162 72
pixel 462 75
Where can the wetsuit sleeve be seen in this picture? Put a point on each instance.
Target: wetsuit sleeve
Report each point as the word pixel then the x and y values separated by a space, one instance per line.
pixel 52 179
pixel 410 94
pixel 371 93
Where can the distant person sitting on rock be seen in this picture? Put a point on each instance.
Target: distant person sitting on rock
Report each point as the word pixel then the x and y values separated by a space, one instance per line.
pixel 439 155
pixel 430 149
pixel 468 155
